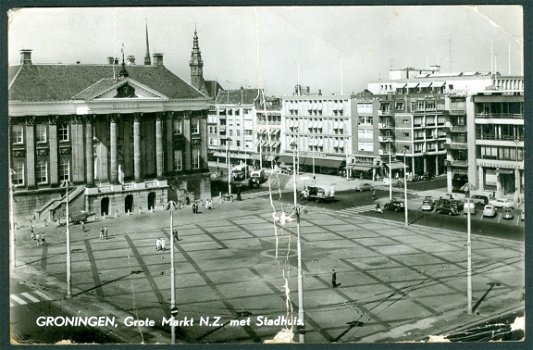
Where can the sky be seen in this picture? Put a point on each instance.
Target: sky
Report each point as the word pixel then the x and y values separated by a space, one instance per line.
pixel 335 49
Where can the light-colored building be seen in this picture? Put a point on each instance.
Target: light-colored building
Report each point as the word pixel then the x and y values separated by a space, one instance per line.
pixel 486 139
pixel 268 130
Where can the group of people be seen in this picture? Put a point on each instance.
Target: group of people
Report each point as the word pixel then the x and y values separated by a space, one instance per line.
pixel 160 244
pixel 40 238
pixel 196 206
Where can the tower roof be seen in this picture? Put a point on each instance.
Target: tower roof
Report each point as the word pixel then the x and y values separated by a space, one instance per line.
pixel 196 55
pixel 147 56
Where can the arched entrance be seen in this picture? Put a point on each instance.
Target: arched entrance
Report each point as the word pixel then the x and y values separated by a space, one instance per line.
pixel 151 200
pixel 128 203
pixel 104 205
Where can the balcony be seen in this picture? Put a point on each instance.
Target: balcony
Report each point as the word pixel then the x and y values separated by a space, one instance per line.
pixel 459 163
pixel 456 145
pixel 385 126
pixel 458 128
pixel 500 115
pixel 385 138
pixel 384 112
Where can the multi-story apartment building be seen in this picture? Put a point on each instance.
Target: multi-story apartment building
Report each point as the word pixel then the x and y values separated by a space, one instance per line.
pixel 486 138
pixel 268 130
pixel 319 128
pixel 124 137
pixel 233 120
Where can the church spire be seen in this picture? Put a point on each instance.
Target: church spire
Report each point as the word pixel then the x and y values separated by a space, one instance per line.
pixel 197 65
pixel 123 72
pixel 147 60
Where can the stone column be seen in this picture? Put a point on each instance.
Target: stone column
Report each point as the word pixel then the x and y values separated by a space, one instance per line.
pixel 436 165
pixel 89 159
pixel 158 146
pixel 30 151
pixel 113 145
pixel 425 165
pixel 412 164
pixel 187 161
pixel 137 147
pixel 203 140
pixel 481 183
pixel 78 152
pixel 54 161
pixel 170 143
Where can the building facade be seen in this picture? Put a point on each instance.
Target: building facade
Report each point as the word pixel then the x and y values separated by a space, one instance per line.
pixel 126 138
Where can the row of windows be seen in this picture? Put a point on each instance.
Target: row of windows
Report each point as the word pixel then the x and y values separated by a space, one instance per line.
pixel 41 172
pixel 41 133
pixel 500 153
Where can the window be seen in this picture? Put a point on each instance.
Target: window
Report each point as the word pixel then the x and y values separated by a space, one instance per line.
pixel 196 159
pixel 64 170
pixel 238 143
pixel 42 172
pixel 405 134
pixel 178 160
pixel 41 131
pixel 178 127
pixel 18 134
pixel 364 108
pixel 63 132
pixel 195 126
pixel 398 106
pixel 18 175
pixel 238 132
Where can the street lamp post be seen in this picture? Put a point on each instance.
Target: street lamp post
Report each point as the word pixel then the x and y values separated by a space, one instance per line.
pixel 66 184
pixel 13 258
pixel 390 174
pixel 469 259
pixel 405 185
pixel 301 336
pixel 228 140
pixel 346 147
pixel 172 277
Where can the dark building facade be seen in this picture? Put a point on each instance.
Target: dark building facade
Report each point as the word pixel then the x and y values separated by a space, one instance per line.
pixel 126 138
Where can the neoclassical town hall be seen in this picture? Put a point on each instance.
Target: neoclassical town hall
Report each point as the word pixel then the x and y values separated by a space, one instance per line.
pixel 126 137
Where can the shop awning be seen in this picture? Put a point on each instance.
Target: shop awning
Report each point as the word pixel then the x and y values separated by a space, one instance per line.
pixel 360 167
pixel 269 158
pixel 438 84
pixel 424 84
pixel 323 162
pixel 285 159
pixel 395 166
pixel 412 85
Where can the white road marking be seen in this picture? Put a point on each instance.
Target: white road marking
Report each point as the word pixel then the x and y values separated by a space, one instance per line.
pixel 18 300
pixel 29 296
pixel 41 294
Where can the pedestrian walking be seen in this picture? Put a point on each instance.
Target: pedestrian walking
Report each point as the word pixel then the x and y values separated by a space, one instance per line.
pixel 32 233
pixel 334 283
pixel 43 239
pixel 101 233
pixel 163 244
pixel 158 244
pixel 105 232
pixel 175 234
pixel 82 227
pixel 38 238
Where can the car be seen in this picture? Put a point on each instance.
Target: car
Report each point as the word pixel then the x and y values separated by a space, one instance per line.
pixel 507 214
pixel 447 210
pixel 318 193
pixel 427 176
pixel 457 204
pixel 442 202
pixel 365 186
pixel 489 211
pixel 395 205
pixel 427 205
pixel 429 199
pixel 479 200
pixel 502 203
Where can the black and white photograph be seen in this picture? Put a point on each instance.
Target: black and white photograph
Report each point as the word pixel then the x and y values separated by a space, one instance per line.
pixel 266 174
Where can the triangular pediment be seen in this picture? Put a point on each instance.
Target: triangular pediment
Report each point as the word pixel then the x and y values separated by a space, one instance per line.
pixel 113 89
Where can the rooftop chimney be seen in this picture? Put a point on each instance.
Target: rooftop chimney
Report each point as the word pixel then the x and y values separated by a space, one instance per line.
pixel 158 59
pixel 25 56
pixel 130 60
pixel 110 60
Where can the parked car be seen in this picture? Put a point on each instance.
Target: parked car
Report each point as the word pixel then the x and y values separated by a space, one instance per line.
pixel 459 205
pixel 502 203
pixel 365 186
pixel 479 200
pixel 395 205
pixel 469 207
pixel 489 211
pixel 427 205
pixel 507 214
pixel 427 176
pixel 447 210
pixel 442 202
pixel 318 193
pixel 429 199
pixel 80 218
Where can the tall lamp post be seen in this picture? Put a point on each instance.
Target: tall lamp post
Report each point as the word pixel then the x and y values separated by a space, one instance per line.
pixel 228 140
pixel 346 147
pixel 173 309
pixel 468 188
pixel 405 185
pixel 66 184
pixel 301 336
pixel 13 258
pixel 390 174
